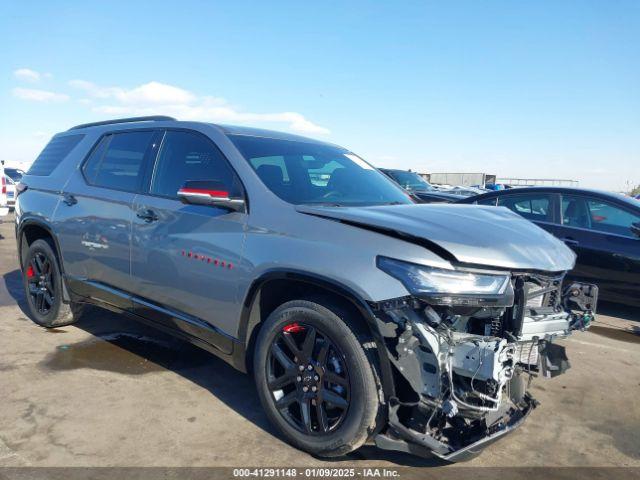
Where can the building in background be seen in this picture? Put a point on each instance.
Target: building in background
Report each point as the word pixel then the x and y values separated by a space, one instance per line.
pixel 480 179
pixel 461 179
pixel 542 182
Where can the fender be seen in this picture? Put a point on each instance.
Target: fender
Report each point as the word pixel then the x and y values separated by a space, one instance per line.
pixel 247 324
pixel 45 225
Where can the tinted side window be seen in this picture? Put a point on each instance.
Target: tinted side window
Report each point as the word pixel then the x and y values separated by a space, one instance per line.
pixel 530 206
pixel 189 156
pixel 117 161
pixel 55 151
pixel 597 215
pixel 609 218
pixel 90 167
pixel 574 212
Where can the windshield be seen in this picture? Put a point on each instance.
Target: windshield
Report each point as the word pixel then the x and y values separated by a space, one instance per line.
pixel 411 181
pixel 312 173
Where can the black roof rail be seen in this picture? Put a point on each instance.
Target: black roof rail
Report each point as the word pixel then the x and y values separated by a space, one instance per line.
pixel 151 118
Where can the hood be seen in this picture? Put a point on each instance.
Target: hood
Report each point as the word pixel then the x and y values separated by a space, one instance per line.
pixel 472 234
pixel 451 197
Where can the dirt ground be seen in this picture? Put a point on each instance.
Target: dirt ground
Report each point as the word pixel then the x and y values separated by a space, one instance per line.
pixel 109 392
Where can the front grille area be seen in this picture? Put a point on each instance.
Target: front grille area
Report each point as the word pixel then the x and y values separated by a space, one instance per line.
pixel 542 291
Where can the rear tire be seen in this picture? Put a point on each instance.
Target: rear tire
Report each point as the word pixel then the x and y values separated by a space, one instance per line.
pixel 334 369
pixel 43 286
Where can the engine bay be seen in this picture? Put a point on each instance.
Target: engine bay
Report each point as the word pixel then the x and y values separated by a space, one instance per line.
pixel 463 367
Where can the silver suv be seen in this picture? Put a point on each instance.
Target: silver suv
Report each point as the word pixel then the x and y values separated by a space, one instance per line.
pixel 362 315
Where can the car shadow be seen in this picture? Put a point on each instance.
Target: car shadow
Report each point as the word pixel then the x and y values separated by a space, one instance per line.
pixel 160 351
pixel 14 291
pixel 371 452
pixel 623 312
pixel 119 343
pixel 122 345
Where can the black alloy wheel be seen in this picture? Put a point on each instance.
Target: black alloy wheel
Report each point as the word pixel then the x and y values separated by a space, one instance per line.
pixel 316 381
pixel 308 379
pixel 40 283
pixel 43 286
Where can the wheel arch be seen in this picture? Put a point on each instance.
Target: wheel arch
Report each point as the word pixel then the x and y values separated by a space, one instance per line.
pixel 30 230
pixel 259 302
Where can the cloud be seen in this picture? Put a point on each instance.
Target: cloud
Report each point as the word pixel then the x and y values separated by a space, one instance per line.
pixel 159 98
pixel 28 75
pixel 152 93
pixel 36 95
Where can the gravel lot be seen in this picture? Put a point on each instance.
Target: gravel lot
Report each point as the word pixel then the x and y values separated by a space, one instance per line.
pixel 109 392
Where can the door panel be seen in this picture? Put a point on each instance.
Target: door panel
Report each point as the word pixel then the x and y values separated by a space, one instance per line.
pixel 95 232
pixel 94 218
pixel 188 261
pixel 186 258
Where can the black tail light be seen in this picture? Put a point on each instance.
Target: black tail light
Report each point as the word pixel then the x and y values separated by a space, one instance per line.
pixel 20 187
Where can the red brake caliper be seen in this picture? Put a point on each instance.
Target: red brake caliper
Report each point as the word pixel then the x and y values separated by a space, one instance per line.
pixel 30 272
pixel 293 328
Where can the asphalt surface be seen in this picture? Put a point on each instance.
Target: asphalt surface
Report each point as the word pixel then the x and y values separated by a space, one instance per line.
pixel 110 392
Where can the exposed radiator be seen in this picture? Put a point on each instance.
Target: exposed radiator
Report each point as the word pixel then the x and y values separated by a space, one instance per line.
pixel 526 353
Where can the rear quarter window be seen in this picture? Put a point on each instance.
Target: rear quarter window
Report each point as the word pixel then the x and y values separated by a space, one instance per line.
pixel 117 161
pixel 55 151
pixel 536 207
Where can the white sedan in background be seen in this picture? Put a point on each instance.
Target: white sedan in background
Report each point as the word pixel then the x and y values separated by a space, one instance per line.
pixel 4 209
pixel 11 191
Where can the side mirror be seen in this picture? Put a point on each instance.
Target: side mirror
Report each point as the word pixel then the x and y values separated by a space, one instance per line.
pixel 635 229
pixel 209 192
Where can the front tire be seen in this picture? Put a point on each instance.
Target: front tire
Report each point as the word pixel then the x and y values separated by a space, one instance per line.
pixel 314 379
pixel 43 287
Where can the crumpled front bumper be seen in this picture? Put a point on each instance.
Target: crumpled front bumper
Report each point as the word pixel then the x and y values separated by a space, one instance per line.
pixel 402 439
pixel 472 385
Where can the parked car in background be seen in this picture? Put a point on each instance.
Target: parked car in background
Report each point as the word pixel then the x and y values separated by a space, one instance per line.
pixel 602 228
pixel 14 173
pixel 494 186
pixel 11 191
pixel 361 314
pixel 4 209
pixel 465 191
pixel 418 187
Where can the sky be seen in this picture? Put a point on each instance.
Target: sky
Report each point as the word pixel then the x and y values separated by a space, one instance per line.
pixel 544 89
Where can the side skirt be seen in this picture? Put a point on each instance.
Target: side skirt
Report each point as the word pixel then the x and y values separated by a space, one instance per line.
pixel 180 325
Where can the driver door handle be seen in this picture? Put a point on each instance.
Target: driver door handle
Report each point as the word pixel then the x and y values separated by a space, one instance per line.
pixel 147 215
pixel 570 242
pixel 69 199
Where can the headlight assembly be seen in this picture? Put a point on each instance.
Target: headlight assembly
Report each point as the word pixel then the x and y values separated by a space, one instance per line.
pixel 450 287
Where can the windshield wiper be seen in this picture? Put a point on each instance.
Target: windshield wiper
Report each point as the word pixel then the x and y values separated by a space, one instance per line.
pixel 324 204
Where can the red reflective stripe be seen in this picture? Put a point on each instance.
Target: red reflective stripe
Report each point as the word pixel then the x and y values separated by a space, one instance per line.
pixel 213 193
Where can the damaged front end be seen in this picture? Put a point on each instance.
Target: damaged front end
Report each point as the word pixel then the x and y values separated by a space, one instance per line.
pixel 464 347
